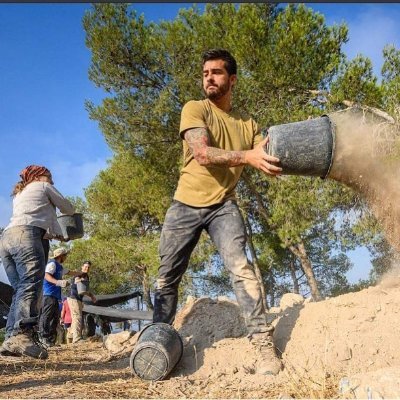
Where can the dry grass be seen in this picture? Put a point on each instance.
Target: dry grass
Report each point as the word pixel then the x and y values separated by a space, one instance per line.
pixel 300 385
pixel 88 371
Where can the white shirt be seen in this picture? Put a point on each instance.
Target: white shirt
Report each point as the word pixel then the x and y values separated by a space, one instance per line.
pixel 51 268
pixel 36 205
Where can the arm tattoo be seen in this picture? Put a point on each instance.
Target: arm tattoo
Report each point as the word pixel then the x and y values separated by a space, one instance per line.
pixel 199 145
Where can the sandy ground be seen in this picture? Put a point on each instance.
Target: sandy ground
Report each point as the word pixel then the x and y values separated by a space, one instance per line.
pixel 343 347
pixel 89 371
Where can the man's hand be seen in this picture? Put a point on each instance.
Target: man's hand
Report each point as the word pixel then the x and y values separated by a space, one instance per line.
pixel 62 283
pixel 93 298
pixel 61 238
pixel 259 159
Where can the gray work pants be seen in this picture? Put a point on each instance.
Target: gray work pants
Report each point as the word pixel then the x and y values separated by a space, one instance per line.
pixel 181 231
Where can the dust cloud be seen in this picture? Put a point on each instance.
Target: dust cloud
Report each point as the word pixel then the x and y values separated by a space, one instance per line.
pixel 367 158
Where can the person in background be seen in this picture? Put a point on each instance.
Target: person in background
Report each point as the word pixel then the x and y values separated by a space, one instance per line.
pixel 23 247
pixel 60 331
pixel 105 328
pixel 66 319
pixel 75 301
pixel 218 142
pixel 52 285
pixel 127 325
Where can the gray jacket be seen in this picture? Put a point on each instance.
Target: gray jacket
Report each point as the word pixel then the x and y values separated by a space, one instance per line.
pixel 36 205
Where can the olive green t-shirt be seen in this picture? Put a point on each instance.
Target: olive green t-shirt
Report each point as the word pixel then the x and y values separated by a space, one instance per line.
pixel 202 186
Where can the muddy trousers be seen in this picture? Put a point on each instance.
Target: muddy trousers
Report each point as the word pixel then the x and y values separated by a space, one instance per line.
pixel 76 308
pixel 23 254
pixel 181 232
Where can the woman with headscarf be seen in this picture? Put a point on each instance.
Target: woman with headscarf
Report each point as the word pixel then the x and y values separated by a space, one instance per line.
pixel 24 249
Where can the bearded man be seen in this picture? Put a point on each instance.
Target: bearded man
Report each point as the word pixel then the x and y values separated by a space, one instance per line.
pixel 218 141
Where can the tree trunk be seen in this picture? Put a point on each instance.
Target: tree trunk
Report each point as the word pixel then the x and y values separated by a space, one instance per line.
pixel 261 208
pixel 271 288
pixel 296 288
pixel 255 261
pixel 300 252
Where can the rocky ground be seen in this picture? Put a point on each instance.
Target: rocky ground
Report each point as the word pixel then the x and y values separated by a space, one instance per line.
pixel 343 347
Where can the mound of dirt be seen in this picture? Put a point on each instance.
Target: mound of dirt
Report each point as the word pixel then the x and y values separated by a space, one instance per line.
pixel 353 335
pixel 215 345
pixel 343 347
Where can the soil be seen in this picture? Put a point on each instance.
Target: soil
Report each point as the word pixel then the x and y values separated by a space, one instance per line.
pixel 348 342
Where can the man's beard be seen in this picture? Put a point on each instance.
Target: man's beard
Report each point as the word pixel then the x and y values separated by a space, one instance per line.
pixel 220 92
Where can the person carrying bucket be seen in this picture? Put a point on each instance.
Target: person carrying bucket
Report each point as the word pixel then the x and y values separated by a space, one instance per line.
pixel 79 288
pixel 218 141
pixel 24 249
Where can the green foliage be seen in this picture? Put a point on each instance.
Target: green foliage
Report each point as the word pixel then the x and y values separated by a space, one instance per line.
pixel 131 194
pixel 303 210
pixel 391 65
pixel 391 80
pixel 356 83
pixel 367 229
pixel 384 258
pixel 299 203
pixel 118 264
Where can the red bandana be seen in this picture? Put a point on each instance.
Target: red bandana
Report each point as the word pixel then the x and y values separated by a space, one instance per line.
pixel 31 172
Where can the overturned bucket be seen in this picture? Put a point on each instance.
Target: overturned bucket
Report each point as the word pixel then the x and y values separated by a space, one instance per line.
pixel 158 349
pixel 303 148
pixel 71 226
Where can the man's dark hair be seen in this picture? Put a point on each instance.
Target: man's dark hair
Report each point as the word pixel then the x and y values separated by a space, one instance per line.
pixel 87 262
pixel 221 54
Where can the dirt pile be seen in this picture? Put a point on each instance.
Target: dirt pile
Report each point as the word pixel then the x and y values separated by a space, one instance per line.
pixel 215 346
pixel 353 336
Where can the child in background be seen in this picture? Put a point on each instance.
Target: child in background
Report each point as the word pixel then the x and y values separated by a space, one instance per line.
pixel 66 320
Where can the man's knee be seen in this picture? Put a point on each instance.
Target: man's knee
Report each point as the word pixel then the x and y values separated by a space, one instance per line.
pixel 161 283
pixel 240 268
pixel 167 286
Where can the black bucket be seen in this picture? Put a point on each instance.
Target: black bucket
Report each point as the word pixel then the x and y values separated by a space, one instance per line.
pixel 303 148
pixel 158 349
pixel 71 226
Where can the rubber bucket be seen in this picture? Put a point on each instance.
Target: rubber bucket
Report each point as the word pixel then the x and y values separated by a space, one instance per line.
pixel 71 226
pixel 303 148
pixel 82 287
pixel 158 349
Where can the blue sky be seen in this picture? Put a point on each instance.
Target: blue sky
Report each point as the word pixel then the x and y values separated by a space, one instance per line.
pixel 44 81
